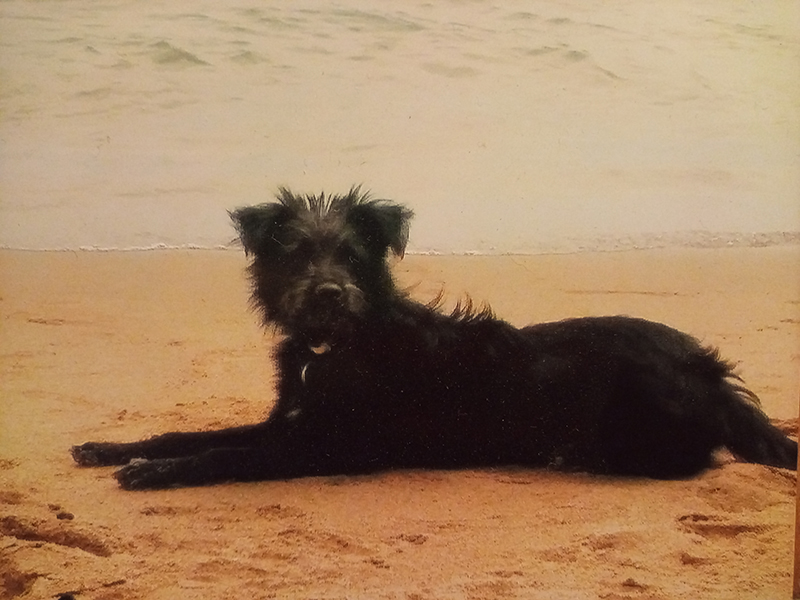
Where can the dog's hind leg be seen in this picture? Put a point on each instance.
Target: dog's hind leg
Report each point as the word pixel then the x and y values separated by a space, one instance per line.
pixel 168 445
pixel 644 440
pixel 667 422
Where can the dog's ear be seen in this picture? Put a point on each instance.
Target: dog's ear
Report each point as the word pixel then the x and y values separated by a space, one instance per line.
pixel 381 224
pixel 258 225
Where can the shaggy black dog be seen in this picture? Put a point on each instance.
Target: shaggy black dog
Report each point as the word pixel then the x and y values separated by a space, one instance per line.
pixel 370 380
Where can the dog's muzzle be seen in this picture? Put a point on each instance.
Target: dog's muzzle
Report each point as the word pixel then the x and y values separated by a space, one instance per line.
pixel 327 310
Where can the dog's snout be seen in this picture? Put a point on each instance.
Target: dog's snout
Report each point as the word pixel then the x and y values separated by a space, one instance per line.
pixel 329 290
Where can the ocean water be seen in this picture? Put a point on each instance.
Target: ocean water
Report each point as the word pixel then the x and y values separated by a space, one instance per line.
pixel 507 126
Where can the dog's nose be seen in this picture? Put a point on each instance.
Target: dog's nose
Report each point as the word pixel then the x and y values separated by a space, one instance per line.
pixel 329 290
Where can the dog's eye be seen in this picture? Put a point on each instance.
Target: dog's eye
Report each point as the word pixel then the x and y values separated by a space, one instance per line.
pixel 300 250
pixel 346 253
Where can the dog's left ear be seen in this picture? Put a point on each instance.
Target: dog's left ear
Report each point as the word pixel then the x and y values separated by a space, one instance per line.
pixel 382 224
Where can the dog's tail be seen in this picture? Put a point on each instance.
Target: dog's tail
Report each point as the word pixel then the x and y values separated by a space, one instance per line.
pixel 748 431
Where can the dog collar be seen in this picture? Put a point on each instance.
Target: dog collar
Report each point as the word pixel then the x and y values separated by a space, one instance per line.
pixel 318 349
pixel 321 348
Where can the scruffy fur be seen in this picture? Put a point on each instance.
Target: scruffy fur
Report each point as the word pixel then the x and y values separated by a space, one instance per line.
pixel 371 380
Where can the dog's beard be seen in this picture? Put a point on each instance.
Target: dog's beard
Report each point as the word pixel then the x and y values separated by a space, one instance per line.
pixel 323 318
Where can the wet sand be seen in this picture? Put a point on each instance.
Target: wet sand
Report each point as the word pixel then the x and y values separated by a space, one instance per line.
pixel 123 345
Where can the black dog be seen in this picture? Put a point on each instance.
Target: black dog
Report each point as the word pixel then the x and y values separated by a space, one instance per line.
pixel 370 380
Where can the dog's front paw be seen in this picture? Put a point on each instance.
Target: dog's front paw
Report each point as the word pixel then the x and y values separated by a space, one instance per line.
pixel 142 474
pixel 100 454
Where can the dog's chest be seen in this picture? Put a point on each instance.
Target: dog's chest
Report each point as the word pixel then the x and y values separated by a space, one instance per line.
pixel 384 373
pixel 312 377
pixel 326 372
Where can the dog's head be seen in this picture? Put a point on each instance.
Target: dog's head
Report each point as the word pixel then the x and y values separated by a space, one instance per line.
pixel 319 262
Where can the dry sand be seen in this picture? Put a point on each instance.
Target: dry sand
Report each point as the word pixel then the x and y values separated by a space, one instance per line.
pixel 119 346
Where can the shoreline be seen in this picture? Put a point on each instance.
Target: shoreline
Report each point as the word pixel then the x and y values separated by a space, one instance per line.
pixel 694 240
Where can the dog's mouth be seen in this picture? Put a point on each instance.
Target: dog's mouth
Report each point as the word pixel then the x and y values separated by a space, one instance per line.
pixel 322 332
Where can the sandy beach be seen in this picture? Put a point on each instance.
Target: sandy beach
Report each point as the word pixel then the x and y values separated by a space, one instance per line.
pixel 122 345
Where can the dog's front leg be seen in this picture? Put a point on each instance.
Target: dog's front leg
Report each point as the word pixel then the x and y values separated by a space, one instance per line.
pixel 214 466
pixel 168 445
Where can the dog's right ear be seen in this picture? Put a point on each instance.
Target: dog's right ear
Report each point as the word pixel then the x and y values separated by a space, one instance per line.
pixel 258 225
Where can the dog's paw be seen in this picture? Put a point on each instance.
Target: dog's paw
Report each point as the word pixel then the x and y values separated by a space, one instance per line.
pixel 141 474
pixel 100 454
